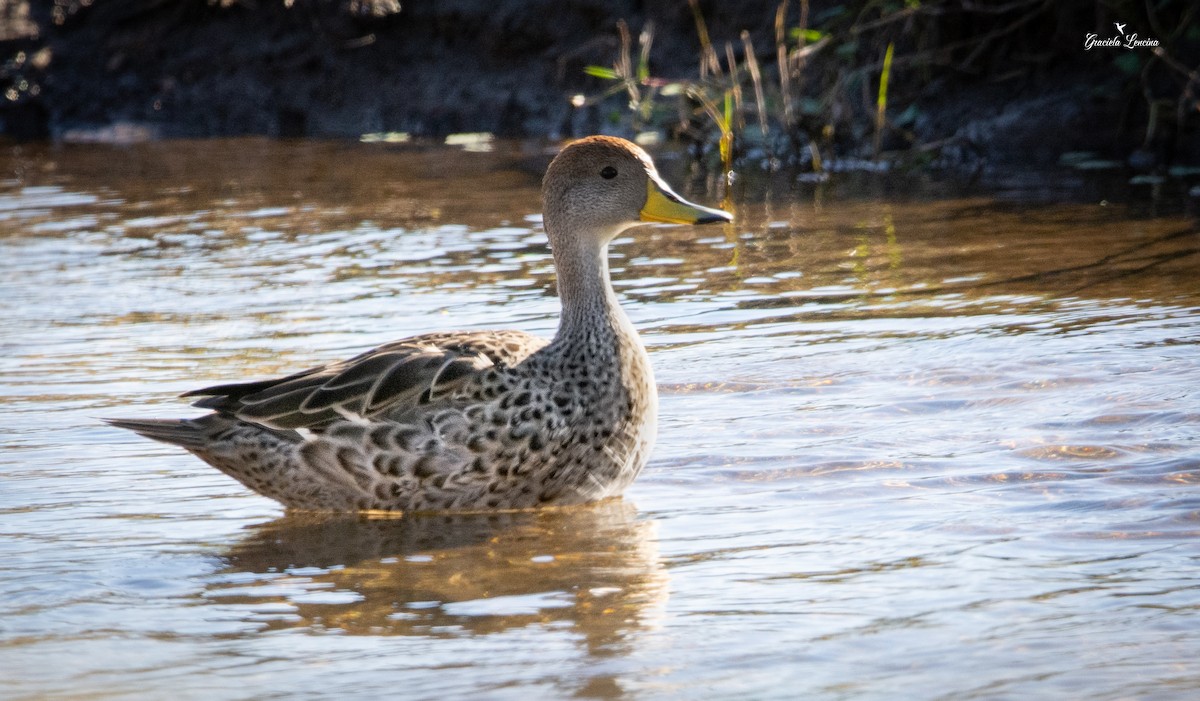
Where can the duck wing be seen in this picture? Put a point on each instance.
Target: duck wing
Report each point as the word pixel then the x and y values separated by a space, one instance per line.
pixel 390 379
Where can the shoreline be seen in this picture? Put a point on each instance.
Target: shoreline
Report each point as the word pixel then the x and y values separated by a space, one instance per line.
pixel 145 71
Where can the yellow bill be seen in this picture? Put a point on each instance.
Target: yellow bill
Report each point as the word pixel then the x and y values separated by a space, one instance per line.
pixel 663 205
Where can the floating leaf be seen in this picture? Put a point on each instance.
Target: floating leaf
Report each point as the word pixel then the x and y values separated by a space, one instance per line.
pixel 648 138
pixel 389 137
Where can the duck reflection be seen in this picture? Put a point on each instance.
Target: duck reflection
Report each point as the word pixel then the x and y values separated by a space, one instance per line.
pixel 595 568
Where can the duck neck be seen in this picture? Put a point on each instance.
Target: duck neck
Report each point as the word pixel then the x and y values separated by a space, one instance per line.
pixel 589 306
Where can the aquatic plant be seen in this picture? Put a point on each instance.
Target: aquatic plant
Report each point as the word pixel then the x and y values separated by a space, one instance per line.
pixel 846 82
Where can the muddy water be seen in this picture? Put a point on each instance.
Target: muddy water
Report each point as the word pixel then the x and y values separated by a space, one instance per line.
pixel 912 445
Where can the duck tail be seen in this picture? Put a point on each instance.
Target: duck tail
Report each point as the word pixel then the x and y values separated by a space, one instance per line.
pixel 186 433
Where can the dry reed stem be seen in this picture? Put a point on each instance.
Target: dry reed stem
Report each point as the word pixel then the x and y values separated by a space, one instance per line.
pixel 708 55
pixel 756 79
pixel 781 60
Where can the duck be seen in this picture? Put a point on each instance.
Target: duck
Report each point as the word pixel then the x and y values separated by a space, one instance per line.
pixel 468 420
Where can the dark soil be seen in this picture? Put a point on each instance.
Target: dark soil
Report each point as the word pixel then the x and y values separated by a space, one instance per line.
pixel 75 69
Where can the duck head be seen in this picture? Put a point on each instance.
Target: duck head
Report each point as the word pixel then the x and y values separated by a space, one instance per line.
pixel 599 186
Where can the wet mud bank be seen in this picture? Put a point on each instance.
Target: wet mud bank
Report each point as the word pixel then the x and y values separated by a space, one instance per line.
pixel 77 70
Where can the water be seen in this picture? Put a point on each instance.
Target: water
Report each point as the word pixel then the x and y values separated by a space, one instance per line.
pixel 935 445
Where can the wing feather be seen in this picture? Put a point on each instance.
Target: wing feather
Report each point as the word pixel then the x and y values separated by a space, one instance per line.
pixel 396 376
pixel 358 379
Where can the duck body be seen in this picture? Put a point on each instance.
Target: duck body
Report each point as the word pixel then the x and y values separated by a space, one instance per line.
pixel 469 420
pixel 512 423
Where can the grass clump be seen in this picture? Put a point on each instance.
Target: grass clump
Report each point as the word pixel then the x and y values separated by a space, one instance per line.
pixel 845 84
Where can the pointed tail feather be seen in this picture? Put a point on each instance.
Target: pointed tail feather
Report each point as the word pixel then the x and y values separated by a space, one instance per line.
pixel 187 433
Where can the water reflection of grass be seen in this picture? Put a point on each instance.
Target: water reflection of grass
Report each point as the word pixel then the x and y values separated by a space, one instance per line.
pixel 357 221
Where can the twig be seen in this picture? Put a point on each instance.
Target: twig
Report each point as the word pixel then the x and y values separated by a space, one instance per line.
pixel 781 58
pixel 756 79
pixel 1193 74
pixel 889 19
pixel 708 55
pixel 997 9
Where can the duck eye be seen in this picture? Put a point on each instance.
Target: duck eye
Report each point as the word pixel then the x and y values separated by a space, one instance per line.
pixel 608 173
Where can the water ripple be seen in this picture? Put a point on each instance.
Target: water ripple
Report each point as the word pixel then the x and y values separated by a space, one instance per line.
pixel 905 446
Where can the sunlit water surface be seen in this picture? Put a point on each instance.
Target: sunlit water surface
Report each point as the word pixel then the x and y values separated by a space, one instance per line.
pixel 912 446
